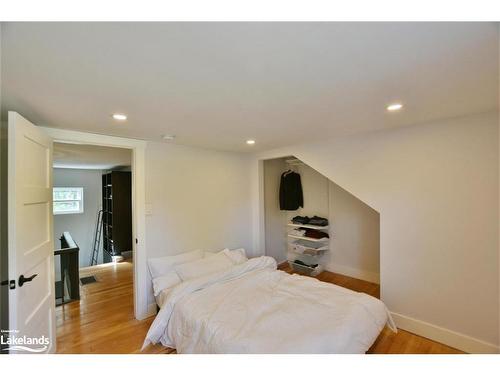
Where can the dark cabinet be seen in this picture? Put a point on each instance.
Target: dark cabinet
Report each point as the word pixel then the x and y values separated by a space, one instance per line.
pixel 117 213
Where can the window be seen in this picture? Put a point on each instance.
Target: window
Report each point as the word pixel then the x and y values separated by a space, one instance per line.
pixel 68 200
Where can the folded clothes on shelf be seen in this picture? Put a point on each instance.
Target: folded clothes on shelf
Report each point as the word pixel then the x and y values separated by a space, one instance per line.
pixel 297 261
pixel 319 221
pixel 307 247
pixel 313 233
pixel 311 245
pixel 300 220
pixel 298 232
pixel 315 220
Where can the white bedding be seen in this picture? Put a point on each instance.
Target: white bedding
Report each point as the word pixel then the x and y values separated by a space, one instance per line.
pixel 162 297
pixel 253 308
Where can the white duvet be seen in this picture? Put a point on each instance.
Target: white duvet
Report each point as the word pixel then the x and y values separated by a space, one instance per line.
pixel 253 308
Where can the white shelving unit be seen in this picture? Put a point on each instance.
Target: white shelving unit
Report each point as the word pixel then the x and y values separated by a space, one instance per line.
pixel 307 226
pixel 307 249
pixel 308 238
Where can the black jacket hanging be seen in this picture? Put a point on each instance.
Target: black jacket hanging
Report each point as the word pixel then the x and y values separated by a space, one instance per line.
pixel 291 197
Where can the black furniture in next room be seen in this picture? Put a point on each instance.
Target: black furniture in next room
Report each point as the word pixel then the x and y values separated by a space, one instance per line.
pixel 117 213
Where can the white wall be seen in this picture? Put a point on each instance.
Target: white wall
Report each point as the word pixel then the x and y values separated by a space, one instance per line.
pixel 436 188
pixel 200 199
pixel 315 191
pixel 354 236
pixel 275 219
pixel 81 226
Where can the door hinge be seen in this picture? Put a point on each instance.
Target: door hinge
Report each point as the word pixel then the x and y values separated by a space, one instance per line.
pixel 10 283
pixel 136 240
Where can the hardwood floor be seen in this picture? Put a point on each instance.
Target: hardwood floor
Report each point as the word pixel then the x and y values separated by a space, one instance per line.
pixel 103 320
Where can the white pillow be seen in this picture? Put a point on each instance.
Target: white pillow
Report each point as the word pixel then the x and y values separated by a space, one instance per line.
pixel 237 256
pixel 202 267
pixel 169 280
pixel 163 265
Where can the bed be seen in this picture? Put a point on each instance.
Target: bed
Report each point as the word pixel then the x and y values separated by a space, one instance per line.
pixel 250 307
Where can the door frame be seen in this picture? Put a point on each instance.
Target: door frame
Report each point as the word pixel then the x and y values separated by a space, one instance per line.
pixel 138 147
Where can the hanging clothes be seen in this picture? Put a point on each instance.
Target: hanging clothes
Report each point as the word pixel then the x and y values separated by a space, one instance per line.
pixel 291 197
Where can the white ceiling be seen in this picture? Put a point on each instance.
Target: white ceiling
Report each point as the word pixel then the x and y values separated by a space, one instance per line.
pixel 76 156
pixel 217 84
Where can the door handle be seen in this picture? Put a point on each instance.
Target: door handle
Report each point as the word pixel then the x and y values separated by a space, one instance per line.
pixel 10 283
pixel 23 279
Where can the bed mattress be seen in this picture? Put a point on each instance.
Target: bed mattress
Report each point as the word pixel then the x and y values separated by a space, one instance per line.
pixel 253 308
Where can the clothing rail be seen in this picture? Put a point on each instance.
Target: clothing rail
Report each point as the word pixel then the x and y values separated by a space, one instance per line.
pixel 294 162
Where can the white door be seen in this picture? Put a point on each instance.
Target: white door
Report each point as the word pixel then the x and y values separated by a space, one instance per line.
pixel 31 244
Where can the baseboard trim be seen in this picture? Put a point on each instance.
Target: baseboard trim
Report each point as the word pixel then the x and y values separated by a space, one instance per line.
pixel 152 309
pixel 445 336
pixel 372 277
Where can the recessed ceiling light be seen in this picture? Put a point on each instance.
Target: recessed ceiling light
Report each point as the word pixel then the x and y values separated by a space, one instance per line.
pixel 168 137
pixel 250 141
pixel 119 116
pixel 394 107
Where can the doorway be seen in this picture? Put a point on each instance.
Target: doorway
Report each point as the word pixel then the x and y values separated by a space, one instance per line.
pixel 142 309
pixel 92 222
pixel 92 209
